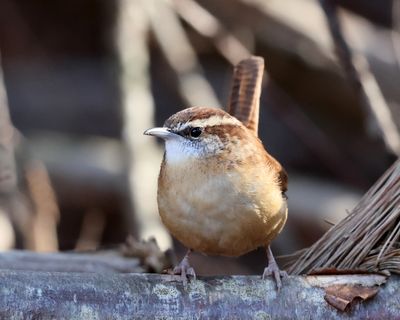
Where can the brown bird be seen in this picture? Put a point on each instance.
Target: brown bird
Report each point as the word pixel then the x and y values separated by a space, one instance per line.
pixel 219 191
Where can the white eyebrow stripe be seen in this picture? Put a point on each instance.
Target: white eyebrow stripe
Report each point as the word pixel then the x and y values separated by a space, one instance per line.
pixel 210 122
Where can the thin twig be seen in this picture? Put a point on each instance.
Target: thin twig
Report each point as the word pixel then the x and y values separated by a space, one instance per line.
pixel 356 67
pixel 175 45
pixel 395 33
pixel 46 211
pixel 207 25
pixel 313 136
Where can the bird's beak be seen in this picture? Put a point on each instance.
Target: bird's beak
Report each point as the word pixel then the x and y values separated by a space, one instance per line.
pixel 163 133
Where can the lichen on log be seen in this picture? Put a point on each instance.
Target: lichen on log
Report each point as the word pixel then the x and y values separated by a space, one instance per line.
pixel 52 295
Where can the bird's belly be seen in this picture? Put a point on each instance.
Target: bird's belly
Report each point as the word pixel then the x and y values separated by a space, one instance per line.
pixel 217 219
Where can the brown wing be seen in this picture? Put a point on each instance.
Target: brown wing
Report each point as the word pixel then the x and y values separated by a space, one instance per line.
pixel 244 101
pixel 283 180
pixel 282 175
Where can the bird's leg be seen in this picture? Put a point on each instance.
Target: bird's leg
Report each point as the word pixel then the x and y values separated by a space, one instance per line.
pixel 184 268
pixel 273 269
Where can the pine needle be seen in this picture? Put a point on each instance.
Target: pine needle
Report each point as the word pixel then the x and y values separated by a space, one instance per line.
pixel 368 238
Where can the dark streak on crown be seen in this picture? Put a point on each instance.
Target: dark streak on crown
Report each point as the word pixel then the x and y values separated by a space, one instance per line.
pixel 194 113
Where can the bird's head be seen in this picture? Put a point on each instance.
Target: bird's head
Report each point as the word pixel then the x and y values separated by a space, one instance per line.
pixel 199 133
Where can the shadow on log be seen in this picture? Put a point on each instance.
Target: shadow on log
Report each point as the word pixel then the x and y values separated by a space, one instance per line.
pixel 46 295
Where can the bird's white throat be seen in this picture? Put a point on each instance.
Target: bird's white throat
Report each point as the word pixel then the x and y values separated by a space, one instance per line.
pixel 179 150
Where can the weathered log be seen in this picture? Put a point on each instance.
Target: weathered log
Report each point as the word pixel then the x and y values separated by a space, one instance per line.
pixel 43 295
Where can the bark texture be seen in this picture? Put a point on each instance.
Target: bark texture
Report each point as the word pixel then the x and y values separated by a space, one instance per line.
pixel 46 295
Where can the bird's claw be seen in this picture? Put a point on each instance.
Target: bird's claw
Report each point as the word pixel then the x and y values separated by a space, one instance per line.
pixel 184 270
pixel 273 270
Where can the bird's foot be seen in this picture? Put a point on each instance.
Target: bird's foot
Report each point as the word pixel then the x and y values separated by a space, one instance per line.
pixel 184 269
pixel 273 270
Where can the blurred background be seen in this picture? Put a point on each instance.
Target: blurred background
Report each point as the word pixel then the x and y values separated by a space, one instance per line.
pixel 81 80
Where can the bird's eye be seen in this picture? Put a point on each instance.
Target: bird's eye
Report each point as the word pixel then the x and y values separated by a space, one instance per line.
pixel 195 132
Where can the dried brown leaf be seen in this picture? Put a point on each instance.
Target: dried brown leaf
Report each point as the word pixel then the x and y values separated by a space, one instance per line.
pixel 343 296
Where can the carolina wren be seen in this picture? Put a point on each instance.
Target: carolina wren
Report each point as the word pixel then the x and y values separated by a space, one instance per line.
pixel 219 191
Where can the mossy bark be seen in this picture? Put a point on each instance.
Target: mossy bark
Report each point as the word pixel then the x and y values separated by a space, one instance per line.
pixel 48 295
